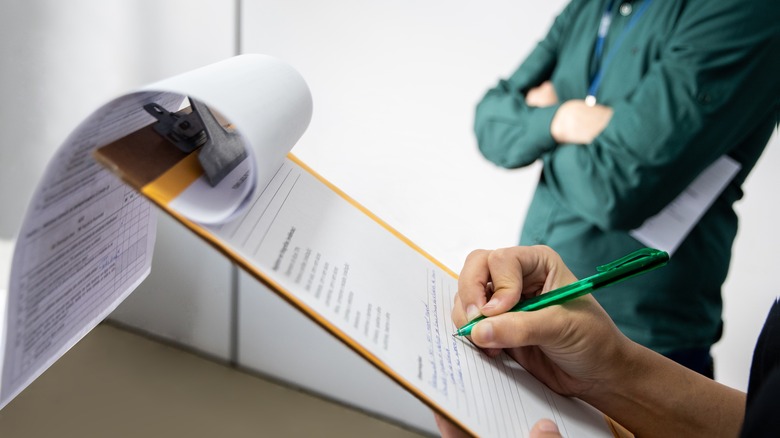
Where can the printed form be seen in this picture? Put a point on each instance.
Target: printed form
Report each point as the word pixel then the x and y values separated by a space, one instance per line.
pixel 393 300
pixel 85 244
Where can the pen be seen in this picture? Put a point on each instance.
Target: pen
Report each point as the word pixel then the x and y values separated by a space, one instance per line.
pixel 638 262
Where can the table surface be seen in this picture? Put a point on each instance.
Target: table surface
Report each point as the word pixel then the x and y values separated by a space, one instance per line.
pixel 119 383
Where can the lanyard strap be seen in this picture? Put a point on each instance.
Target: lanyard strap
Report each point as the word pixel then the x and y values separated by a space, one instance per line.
pixel 604 25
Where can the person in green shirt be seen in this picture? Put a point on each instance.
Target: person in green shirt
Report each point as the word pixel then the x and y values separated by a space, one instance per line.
pixel 625 103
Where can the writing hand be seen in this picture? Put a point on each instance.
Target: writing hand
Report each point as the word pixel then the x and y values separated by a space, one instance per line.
pixel 571 348
pixel 578 123
pixel 576 350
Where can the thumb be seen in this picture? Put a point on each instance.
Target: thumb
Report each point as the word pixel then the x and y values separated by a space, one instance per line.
pixel 520 329
pixel 545 429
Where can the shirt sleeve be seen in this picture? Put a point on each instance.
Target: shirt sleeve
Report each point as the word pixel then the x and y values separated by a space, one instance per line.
pixel 510 133
pixel 713 90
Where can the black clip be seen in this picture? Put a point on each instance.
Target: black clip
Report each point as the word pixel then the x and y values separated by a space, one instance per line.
pixel 222 150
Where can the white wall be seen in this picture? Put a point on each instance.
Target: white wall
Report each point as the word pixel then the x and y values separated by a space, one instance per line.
pixel 394 86
pixel 752 284
pixel 60 61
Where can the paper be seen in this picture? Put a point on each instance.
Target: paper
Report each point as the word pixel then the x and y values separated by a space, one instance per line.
pixel 667 229
pixel 6 252
pixel 389 300
pixel 87 242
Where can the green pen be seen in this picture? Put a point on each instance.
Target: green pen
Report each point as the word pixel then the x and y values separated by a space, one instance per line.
pixel 638 262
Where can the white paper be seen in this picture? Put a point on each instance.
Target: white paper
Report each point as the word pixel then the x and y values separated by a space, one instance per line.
pixel 6 252
pixel 203 203
pixel 667 229
pixel 271 103
pixel 86 241
pixel 392 300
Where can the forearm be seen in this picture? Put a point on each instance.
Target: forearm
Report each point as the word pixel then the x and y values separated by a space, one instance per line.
pixel 510 133
pixel 654 396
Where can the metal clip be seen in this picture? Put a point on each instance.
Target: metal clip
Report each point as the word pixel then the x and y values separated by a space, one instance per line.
pixel 221 150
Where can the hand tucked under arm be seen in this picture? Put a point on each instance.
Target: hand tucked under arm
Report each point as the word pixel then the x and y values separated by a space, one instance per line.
pixel 542 95
pixel 574 121
pixel 577 122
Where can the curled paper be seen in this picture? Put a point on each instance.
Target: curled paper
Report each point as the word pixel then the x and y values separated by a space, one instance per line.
pixel 87 238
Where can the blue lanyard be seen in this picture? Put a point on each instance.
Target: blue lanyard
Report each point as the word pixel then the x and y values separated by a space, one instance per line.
pixel 604 25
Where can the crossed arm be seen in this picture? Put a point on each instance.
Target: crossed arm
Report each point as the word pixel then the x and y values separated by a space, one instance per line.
pixel 574 122
pixel 710 91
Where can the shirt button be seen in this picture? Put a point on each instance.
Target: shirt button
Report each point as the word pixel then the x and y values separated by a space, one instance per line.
pixel 625 9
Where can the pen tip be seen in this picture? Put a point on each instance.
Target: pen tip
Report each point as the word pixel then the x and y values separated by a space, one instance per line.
pixel 455 335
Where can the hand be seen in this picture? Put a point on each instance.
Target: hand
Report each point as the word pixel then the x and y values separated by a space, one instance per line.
pixel 576 122
pixel 447 429
pixel 545 429
pixel 572 348
pixel 541 95
pixel 542 429
pixel 576 350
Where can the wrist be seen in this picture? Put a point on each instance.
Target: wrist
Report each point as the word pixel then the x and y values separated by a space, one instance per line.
pixel 622 361
pixel 559 124
pixel 576 122
pixel 564 126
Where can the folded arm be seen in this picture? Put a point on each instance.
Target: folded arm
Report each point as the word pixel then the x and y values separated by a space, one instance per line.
pixel 711 88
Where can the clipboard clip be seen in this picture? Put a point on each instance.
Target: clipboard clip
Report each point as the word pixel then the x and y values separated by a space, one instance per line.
pixel 221 150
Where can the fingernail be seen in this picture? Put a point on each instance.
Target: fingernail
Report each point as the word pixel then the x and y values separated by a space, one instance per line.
pixel 472 311
pixel 547 426
pixel 493 303
pixel 485 331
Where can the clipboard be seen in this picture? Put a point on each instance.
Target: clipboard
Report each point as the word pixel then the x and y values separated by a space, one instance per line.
pixel 320 250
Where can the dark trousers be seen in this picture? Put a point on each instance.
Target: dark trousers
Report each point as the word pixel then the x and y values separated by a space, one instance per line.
pixel 697 359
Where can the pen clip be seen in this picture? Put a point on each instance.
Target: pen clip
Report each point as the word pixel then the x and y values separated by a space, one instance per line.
pixel 640 254
pixel 642 260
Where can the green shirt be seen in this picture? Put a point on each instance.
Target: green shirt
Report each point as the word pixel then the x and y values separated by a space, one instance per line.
pixel 691 81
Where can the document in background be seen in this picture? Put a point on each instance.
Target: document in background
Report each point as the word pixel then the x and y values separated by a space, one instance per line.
pixel 87 238
pixel 6 252
pixel 667 229
pixel 86 242
pixel 343 267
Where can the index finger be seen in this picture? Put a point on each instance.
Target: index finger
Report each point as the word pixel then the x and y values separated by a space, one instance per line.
pixel 508 268
pixel 491 282
pixel 517 271
pixel 523 271
pixel 473 284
